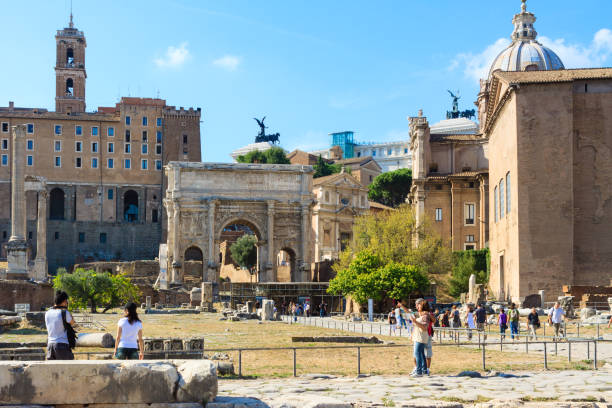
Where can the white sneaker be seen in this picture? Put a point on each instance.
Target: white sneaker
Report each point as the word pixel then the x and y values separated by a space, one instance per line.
pixel 415 374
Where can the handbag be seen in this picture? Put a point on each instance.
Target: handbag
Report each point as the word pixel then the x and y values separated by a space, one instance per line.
pixel 70 332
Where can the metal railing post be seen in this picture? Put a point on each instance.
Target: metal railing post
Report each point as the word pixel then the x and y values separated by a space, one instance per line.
pixel 595 354
pixel 578 330
pixel 597 330
pixel 526 344
pixel 484 359
pixel 569 351
pixel 555 340
pixel 479 340
pixel 501 344
pixel 239 363
pixel 358 360
pixel 588 350
pixel 545 357
pixel 294 363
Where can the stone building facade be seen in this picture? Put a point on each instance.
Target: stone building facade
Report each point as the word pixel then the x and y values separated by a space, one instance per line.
pixel 450 183
pixel 340 198
pixel 206 200
pixel 103 169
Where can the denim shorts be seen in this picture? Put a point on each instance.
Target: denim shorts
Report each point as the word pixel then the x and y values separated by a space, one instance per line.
pixel 124 353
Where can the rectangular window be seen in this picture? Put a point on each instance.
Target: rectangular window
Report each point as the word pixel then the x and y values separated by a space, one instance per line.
pixel 103 237
pixel 94 147
pixel 94 131
pixel 30 145
pixel 58 129
pixel 145 135
pixel 5 127
pixel 145 121
pixel 30 127
pixel 127 136
pixel 110 163
pixel 158 136
pixel 5 159
pixel 469 238
pixel 127 163
pixel 508 193
pixel 30 160
pixel 58 161
pixel 77 163
pixel 469 247
pixel 128 148
pixel 154 215
pixel 58 145
pixel 144 163
pixel 184 139
pixel 438 214
pixel 502 202
pixel 81 237
pixel 389 152
pixel 495 202
pixel 111 147
pixel 145 148
pixel 470 210
pixel 78 147
pixel 4 144
pixel 158 149
pixel 128 120
pixel 110 193
pixel 158 165
pixel 78 130
pixel 159 122
pixel 94 162
pixel 110 132
pixel 56 235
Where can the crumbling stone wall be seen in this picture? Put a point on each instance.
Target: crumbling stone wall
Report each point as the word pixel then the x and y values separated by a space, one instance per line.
pixel 38 295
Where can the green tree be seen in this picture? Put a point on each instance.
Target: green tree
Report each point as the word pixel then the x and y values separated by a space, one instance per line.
pixel 274 155
pixel 366 277
pixel 322 168
pixel 87 287
pixel 244 252
pixel 391 188
pixel 466 263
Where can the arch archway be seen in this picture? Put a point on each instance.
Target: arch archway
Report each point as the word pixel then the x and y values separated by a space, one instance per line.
pixel 130 206
pixel 69 86
pixel 193 264
pixel 193 253
pixel 56 204
pixel 70 57
pixel 230 233
pixel 286 265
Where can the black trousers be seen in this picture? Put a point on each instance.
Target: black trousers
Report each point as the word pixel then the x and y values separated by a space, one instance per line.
pixel 59 351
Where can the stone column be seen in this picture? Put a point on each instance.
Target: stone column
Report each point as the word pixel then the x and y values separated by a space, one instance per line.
pixel 211 273
pixel 40 264
pixel 271 262
pixel 176 247
pixel 305 267
pixel 16 248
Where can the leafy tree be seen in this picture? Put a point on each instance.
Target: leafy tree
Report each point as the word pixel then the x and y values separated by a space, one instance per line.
pixel 244 252
pixel 87 287
pixel 322 168
pixel 391 235
pixel 391 188
pixel 274 155
pixel 367 277
pixel 466 263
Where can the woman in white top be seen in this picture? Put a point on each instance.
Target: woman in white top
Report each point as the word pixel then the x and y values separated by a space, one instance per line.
pixel 129 335
pixel 469 321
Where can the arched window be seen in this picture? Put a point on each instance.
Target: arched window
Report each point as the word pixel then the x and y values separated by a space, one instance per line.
pixel 130 206
pixel 69 87
pixel 286 265
pixel 56 204
pixel 193 254
pixel 70 57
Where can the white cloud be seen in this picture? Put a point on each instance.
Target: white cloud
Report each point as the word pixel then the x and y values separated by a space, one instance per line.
pixel 175 57
pixel 595 54
pixel 228 62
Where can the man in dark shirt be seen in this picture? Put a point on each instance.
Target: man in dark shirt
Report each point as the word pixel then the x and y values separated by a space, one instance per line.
pixel 481 318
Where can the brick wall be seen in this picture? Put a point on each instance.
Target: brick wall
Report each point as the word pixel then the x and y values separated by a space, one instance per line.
pixel 39 296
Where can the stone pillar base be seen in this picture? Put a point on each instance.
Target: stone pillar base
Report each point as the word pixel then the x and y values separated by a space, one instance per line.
pixel 38 271
pixel 17 259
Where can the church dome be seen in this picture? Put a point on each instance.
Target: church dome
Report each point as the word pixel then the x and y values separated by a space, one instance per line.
pixel 526 53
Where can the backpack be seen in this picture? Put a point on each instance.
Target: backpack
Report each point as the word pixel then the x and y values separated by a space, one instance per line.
pixel 70 332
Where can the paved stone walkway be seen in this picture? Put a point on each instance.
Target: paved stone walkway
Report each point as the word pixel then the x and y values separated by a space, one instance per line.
pixel 496 390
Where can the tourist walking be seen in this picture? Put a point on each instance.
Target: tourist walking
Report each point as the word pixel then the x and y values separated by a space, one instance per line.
pixel 58 320
pixel 533 322
pixel 392 322
pixel 481 319
pixel 513 318
pixel 556 317
pixel 399 319
pixel 322 309
pixel 445 319
pixel 420 338
pixel 469 322
pixel 129 344
pixel 456 320
pixel 307 309
pixel 293 307
pixel 502 321
pixel 436 317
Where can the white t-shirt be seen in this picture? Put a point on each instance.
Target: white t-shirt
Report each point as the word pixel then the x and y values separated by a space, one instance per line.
pixel 470 320
pixel 398 313
pixel 55 326
pixel 556 314
pixel 129 333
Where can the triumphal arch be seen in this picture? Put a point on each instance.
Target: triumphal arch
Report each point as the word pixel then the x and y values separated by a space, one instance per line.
pixel 207 202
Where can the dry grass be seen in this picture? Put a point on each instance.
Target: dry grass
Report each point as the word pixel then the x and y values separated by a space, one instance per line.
pixel 448 359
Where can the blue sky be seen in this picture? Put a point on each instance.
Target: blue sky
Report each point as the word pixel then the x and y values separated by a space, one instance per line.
pixel 311 67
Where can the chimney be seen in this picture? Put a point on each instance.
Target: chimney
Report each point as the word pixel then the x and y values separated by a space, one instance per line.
pixel 11 106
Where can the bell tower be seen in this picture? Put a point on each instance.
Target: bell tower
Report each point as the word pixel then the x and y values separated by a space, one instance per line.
pixel 70 72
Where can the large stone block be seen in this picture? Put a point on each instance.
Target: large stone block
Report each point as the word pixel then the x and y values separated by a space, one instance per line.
pixel 102 382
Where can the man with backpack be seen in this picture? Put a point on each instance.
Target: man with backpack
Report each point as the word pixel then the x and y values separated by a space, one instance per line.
pixel 59 323
pixel 513 318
